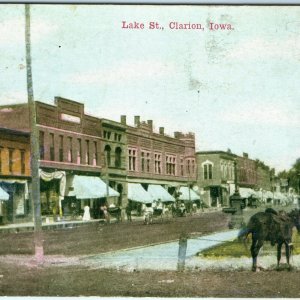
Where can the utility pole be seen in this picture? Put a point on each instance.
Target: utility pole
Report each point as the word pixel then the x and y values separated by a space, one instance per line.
pixel 34 146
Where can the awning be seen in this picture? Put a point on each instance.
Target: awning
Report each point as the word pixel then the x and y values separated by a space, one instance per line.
pixel 138 194
pixel 88 187
pixel 3 195
pixel 188 194
pixel 157 192
pixel 268 195
pixel 245 192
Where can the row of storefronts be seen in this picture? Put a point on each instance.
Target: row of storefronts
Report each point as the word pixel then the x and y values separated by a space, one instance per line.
pixel 90 161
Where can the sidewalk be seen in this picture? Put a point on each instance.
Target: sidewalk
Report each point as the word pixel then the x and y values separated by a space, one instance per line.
pixel 29 226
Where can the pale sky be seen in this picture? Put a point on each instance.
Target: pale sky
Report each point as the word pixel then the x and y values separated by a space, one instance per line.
pixel 236 89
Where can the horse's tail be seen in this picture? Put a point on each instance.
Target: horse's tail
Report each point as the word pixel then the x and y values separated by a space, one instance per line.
pixel 243 235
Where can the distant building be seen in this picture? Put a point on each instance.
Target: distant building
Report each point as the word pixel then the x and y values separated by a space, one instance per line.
pixel 215 174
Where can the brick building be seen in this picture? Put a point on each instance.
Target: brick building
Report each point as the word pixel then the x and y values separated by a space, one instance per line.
pixel 14 174
pixel 216 176
pixel 154 158
pixel 77 150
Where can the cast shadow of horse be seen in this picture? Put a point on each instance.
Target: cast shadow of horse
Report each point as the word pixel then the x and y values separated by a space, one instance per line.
pixel 275 227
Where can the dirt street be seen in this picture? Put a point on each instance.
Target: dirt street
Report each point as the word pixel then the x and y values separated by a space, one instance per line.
pixel 18 278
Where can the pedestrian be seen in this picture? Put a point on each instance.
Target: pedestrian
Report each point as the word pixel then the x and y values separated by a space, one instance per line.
pixel 86 213
pixel 128 212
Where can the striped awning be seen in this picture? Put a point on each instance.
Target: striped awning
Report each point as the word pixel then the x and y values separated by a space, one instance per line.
pixel 188 194
pixel 138 194
pixel 4 196
pixel 157 192
pixel 88 187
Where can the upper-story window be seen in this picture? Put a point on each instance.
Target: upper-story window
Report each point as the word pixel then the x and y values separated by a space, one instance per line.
pixel 79 151
pixel 41 144
pixel 107 152
pixel 70 150
pixel 181 166
pixel 157 163
pixel 207 170
pixel 106 134
pixel 61 148
pixel 95 154
pixel 52 146
pixel 193 164
pixel 170 164
pixel 10 160
pixel 145 161
pixel 87 152
pixel 22 161
pixel 118 154
pixel 132 155
pixel 0 160
pixel 188 167
pixel 117 137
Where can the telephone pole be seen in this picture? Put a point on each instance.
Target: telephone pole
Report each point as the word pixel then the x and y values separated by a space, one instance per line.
pixel 34 146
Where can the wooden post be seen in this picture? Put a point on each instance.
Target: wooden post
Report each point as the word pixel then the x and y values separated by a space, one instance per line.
pixel 182 252
pixel 34 146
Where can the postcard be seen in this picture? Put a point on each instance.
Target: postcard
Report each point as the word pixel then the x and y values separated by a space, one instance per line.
pixel 149 150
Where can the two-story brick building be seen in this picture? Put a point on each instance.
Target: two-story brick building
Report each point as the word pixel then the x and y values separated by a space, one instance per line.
pixel 71 161
pixel 154 158
pixel 14 174
pixel 95 158
pixel 215 176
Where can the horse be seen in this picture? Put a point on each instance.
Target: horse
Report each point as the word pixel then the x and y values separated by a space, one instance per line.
pixel 275 227
pixel 115 212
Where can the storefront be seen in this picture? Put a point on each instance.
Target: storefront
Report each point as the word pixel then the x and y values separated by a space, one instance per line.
pixel 14 205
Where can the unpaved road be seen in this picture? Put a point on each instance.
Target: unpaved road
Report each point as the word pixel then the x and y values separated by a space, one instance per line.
pixel 19 277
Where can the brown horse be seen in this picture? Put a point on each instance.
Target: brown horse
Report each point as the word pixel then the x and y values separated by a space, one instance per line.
pixel 272 226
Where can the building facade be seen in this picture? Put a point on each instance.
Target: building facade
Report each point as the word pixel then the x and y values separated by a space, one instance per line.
pixel 14 175
pixel 76 147
pixel 215 176
pixel 156 158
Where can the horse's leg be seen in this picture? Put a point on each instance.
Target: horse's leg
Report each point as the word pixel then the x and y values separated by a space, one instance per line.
pixel 279 246
pixel 255 247
pixel 287 253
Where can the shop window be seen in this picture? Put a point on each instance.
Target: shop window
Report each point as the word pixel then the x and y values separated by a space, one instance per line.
pixel 52 146
pixel 132 153
pixel 118 153
pixel 41 144
pixel 22 161
pixel 107 151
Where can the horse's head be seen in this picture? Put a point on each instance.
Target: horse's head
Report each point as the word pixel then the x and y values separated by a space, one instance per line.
pixel 295 217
